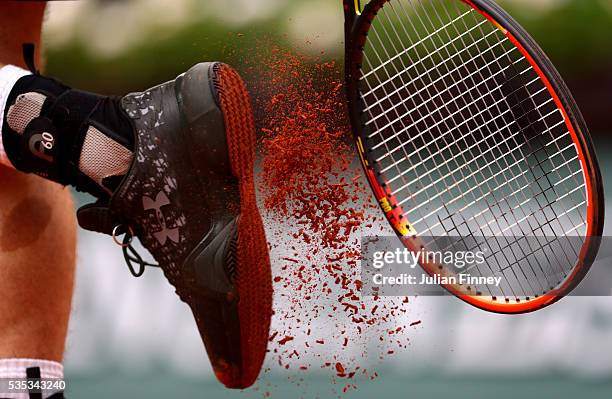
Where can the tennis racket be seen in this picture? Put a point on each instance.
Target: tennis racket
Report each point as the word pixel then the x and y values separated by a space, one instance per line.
pixel 465 129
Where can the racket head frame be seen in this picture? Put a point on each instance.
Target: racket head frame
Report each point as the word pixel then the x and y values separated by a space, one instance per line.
pixel 357 26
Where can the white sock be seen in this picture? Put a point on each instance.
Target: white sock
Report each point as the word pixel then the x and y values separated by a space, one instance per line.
pixel 9 75
pixel 15 369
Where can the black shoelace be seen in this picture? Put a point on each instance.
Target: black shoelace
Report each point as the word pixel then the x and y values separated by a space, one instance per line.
pixel 134 261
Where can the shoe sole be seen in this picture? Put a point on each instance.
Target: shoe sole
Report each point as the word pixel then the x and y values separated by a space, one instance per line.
pixel 253 270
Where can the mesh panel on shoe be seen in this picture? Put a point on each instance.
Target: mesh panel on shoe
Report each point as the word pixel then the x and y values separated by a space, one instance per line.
pixel 103 157
pixel 27 107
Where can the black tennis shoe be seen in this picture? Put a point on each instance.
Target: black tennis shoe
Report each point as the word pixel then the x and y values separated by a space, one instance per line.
pixel 189 197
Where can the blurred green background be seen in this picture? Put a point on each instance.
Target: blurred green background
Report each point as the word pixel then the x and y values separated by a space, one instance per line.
pixel 131 338
pixel 118 46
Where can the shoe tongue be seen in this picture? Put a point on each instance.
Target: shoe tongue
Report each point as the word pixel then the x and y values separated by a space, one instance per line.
pixel 97 217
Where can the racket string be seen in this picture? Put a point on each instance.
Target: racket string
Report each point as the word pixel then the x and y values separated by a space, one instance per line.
pixel 490 204
pixel 492 198
pixel 391 59
pixel 560 152
pixel 514 210
pixel 549 129
pixel 523 156
pixel 429 93
pixel 445 205
pixel 456 142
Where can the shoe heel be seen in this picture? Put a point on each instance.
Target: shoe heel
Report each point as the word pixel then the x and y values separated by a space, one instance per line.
pixel 199 105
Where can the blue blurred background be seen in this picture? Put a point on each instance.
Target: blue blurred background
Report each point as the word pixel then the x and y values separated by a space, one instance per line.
pixel 132 338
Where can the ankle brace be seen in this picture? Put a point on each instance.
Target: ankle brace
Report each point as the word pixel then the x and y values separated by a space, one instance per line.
pixel 69 136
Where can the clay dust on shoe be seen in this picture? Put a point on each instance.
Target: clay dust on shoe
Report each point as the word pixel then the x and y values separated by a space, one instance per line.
pixel 253 274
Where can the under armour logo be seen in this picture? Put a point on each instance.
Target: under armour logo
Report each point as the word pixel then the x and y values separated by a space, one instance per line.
pixel 165 233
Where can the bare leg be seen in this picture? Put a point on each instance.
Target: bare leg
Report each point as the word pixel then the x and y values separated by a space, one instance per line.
pixel 37 231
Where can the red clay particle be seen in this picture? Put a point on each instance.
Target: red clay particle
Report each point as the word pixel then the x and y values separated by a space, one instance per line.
pixel 285 340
